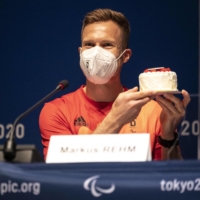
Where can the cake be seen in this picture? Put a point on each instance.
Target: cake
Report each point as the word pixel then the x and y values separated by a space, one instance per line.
pixel 159 79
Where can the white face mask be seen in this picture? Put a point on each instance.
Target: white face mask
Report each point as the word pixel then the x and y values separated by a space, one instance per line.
pixel 98 64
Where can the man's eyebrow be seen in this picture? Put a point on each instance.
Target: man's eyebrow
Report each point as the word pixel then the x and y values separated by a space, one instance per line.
pixel 107 40
pixel 85 41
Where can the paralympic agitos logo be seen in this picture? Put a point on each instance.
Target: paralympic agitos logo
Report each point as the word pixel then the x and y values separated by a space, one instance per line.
pixel 90 185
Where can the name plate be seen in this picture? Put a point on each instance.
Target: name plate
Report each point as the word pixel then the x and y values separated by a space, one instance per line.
pixel 99 148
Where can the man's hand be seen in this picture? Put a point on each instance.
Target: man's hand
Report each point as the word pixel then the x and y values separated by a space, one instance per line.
pixel 128 104
pixel 173 111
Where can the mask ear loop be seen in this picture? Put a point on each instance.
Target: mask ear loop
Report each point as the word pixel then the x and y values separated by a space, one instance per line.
pixel 120 55
pixel 118 59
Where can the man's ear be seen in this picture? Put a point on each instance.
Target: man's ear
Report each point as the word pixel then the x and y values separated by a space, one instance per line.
pixel 127 55
pixel 79 49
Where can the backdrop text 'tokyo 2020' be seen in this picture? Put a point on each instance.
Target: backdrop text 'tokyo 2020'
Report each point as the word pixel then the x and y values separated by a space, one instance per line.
pixel 39 43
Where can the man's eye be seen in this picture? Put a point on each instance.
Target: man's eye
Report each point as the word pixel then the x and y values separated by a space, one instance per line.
pixel 89 44
pixel 107 45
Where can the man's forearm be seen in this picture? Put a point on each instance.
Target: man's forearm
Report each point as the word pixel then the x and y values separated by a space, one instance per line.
pixel 108 125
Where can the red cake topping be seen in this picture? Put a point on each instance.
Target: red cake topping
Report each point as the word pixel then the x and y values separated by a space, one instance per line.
pixel 157 69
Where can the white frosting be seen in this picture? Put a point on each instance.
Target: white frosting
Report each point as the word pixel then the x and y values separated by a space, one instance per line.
pixel 158 81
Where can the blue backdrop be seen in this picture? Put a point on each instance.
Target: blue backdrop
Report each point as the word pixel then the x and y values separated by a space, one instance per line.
pixel 39 43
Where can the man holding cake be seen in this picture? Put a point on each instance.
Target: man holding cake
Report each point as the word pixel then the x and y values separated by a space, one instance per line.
pixel 103 105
